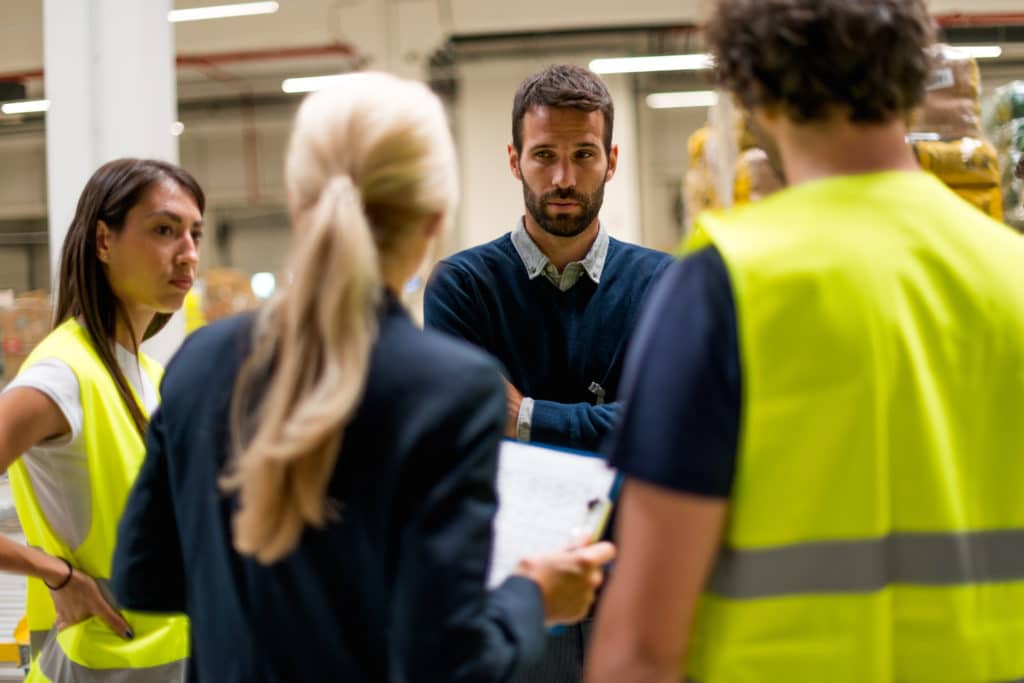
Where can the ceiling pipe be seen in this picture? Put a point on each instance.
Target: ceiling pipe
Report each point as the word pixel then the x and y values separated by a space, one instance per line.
pixel 951 20
pixel 959 19
pixel 221 58
pixel 275 54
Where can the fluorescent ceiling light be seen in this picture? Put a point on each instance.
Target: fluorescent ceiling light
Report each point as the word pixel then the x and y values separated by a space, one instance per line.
pixel 242 9
pixel 677 100
pixel 309 83
pixel 25 107
pixel 980 51
pixel 628 65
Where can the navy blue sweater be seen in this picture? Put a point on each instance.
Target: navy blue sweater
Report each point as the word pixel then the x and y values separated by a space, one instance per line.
pixel 554 345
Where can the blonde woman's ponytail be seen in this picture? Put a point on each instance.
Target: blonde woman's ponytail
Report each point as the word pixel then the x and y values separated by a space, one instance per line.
pixel 369 164
pixel 320 333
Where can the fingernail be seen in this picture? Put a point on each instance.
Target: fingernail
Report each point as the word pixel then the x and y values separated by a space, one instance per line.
pixel 129 634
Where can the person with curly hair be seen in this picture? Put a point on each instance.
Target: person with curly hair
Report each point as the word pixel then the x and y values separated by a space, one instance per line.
pixel 821 437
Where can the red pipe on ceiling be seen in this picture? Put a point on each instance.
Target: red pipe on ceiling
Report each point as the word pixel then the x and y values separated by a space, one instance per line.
pixel 338 50
pixel 216 58
pixel 959 19
pixel 953 20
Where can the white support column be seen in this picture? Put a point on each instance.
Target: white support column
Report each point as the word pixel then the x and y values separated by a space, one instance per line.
pixel 110 79
pixel 492 200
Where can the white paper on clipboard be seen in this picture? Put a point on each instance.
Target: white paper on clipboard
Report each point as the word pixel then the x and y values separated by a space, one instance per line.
pixel 546 496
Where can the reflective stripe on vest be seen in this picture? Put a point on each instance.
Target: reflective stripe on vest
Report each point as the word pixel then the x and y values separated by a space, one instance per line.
pixel 871 564
pixel 875 528
pixel 56 666
pixel 114 451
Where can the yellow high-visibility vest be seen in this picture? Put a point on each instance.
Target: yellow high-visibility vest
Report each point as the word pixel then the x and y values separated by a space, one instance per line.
pixel 876 524
pixel 90 651
pixel 193 309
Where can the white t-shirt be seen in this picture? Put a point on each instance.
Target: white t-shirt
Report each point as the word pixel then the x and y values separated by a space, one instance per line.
pixel 57 467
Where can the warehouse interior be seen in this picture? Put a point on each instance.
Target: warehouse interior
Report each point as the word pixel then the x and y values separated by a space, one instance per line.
pixel 238 82
pixel 235 116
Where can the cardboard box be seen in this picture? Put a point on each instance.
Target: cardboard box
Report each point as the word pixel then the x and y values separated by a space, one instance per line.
pixel 23 325
pixel 225 292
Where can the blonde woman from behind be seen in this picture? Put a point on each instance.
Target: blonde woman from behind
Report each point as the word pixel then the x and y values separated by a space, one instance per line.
pixel 341 528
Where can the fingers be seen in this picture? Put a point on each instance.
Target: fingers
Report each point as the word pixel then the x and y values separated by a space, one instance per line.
pixel 115 621
pixel 514 395
pixel 592 559
pixel 597 554
pixel 111 617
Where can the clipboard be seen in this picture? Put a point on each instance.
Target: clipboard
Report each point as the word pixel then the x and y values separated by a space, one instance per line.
pixel 548 498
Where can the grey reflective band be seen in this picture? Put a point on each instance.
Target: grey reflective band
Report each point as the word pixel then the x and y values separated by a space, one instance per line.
pixel 928 559
pixel 57 666
pixel 36 640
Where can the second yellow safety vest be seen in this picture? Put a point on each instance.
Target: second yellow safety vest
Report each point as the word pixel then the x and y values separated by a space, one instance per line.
pixel 90 651
pixel 876 523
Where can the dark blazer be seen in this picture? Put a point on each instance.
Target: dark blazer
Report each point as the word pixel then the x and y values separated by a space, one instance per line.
pixel 394 591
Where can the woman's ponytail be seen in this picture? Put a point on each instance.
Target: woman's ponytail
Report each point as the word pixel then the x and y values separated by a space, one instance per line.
pixel 319 333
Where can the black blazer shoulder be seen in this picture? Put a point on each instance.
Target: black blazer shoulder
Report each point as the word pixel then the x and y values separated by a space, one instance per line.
pixel 405 358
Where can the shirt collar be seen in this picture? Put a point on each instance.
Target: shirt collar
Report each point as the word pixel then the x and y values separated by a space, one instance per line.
pixel 535 261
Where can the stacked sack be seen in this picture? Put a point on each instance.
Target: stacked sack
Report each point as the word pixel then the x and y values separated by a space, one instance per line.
pixel 756 178
pixel 946 132
pixel 1004 124
pixel 699 191
pixel 752 178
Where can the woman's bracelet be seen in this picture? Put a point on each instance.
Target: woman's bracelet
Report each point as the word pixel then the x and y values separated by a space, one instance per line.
pixel 67 579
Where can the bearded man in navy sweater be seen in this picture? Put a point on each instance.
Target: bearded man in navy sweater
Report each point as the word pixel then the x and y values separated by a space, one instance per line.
pixel 555 299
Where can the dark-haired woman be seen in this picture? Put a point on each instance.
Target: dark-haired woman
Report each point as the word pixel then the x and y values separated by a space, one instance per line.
pixel 72 422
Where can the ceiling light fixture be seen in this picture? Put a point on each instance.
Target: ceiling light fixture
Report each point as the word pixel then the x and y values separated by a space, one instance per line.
pixel 629 65
pixel 682 99
pixel 980 51
pixel 242 9
pixel 309 83
pixel 25 107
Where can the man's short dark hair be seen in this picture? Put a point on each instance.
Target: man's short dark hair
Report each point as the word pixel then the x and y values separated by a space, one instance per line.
pixel 869 57
pixel 562 85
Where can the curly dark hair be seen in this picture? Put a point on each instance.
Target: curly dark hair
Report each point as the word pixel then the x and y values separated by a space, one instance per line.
pixel 869 57
pixel 562 85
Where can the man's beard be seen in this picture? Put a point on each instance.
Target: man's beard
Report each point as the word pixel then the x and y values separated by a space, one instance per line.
pixel 564 224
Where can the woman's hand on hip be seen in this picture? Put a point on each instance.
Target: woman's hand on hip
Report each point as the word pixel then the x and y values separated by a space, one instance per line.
pixel 82 598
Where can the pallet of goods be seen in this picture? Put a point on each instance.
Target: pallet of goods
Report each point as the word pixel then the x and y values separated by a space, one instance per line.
pixel 751 175
pixel 1004 124
pixel 23 324
pixel 225 292
pixel 946 131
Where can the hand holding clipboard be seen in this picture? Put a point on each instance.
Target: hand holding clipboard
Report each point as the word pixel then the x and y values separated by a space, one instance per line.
pixel 552 504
